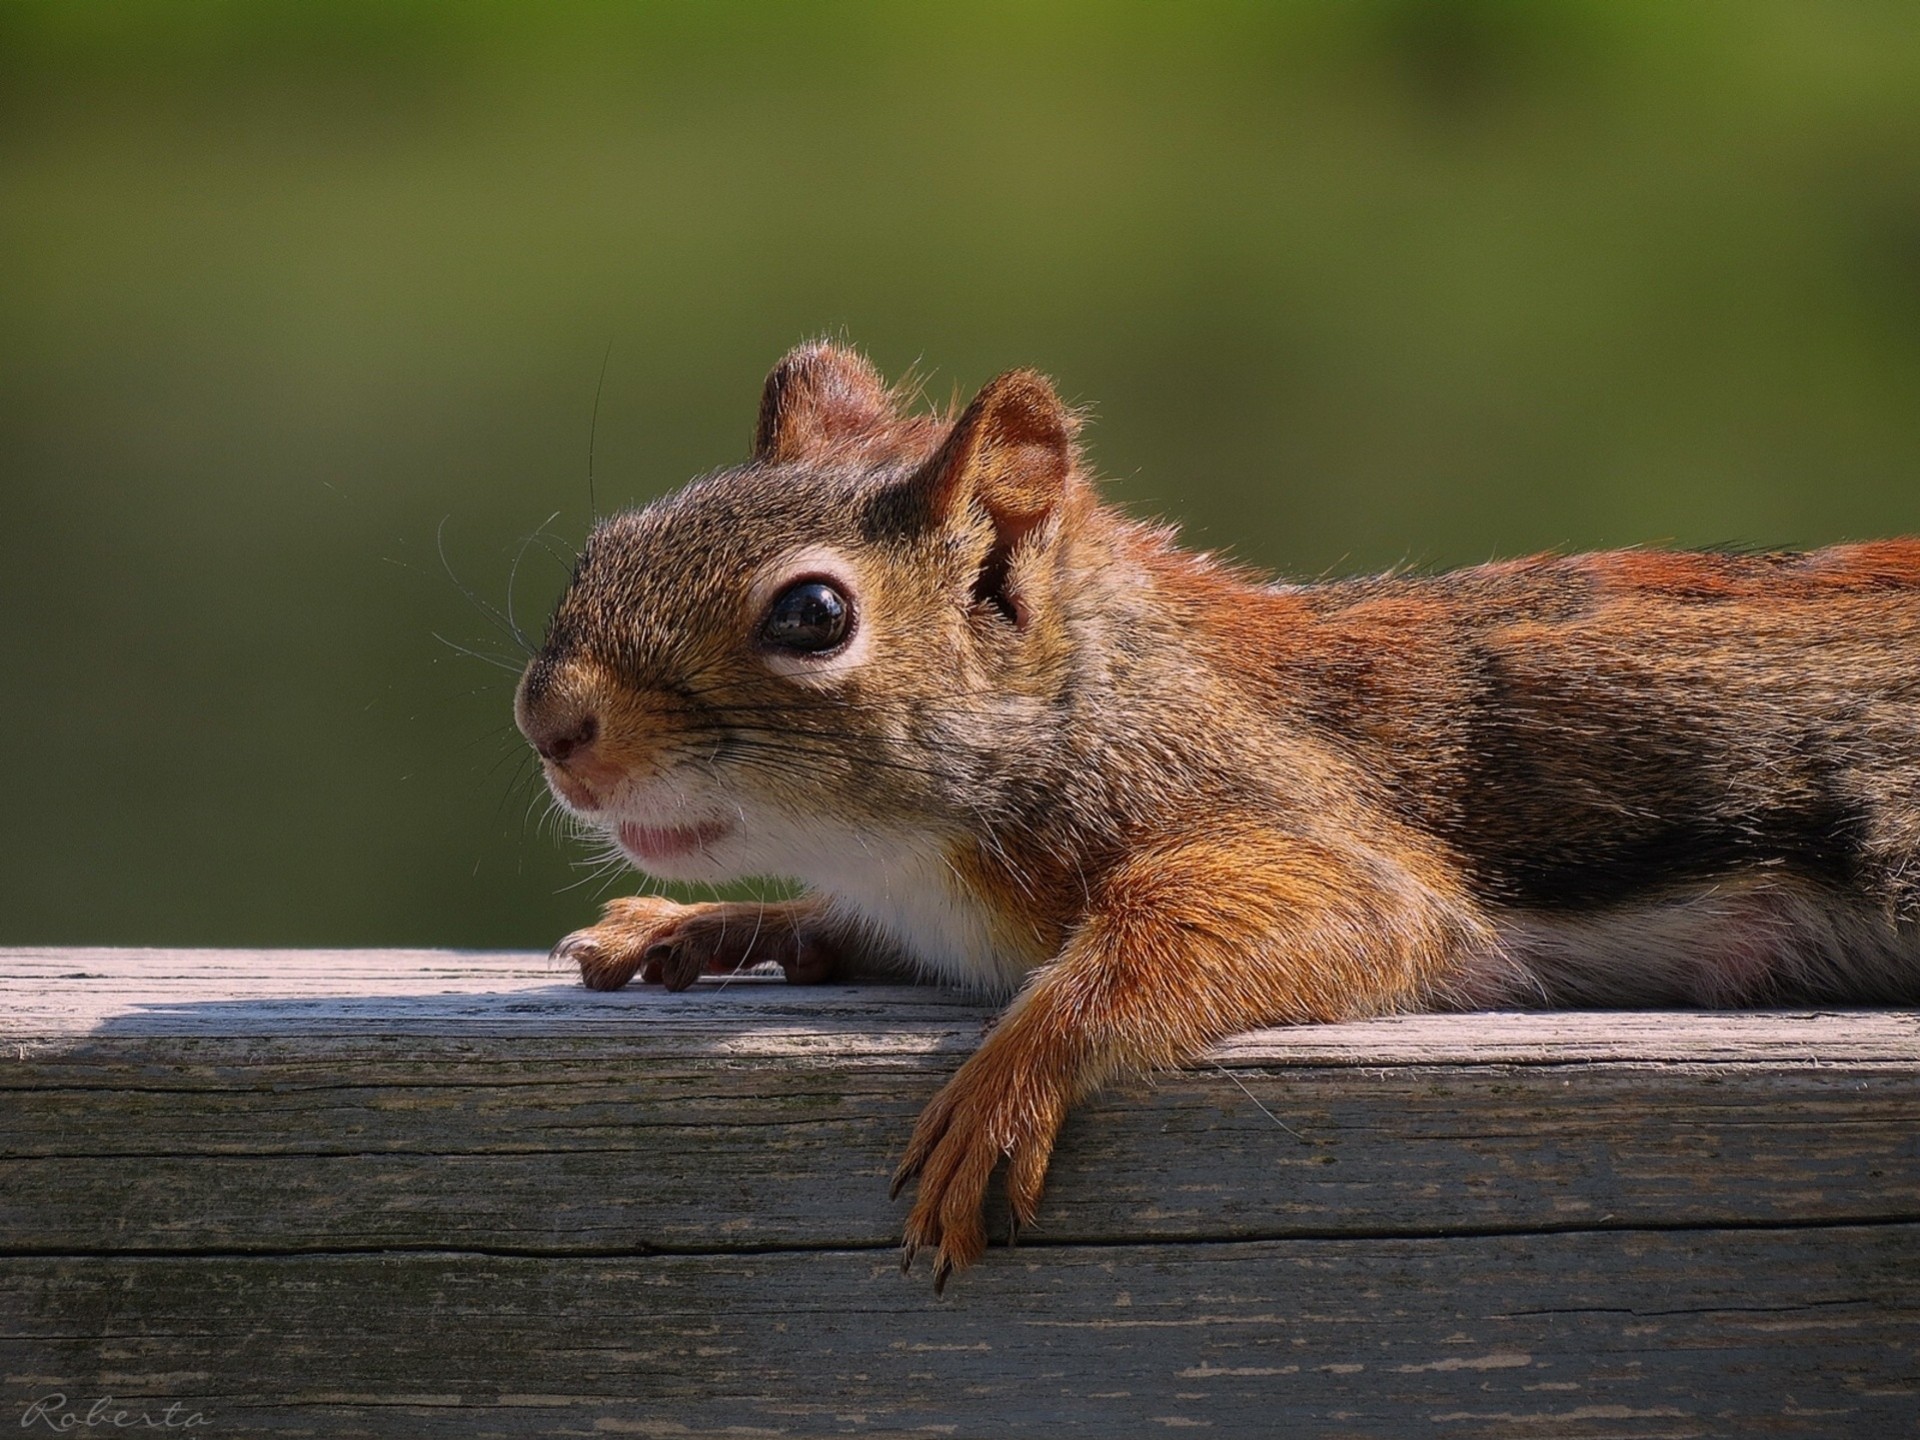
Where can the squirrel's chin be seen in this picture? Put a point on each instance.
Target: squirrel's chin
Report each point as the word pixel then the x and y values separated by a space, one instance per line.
pixel 678 852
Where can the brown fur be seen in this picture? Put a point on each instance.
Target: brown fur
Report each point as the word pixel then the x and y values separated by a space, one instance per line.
pixel 1164 800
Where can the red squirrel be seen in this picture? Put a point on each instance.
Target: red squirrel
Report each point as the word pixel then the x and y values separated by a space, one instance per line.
pixel 1013 740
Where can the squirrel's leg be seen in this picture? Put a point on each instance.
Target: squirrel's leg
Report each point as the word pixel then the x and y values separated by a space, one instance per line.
pixel 1183 946
pixel 662 940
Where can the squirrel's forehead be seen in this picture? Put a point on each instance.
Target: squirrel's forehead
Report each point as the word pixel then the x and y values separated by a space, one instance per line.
pixel 731 524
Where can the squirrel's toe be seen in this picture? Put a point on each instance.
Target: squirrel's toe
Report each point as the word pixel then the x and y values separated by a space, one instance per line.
pixel 599 970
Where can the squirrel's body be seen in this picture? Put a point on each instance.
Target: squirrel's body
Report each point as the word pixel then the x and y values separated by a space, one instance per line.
pixel 1015 741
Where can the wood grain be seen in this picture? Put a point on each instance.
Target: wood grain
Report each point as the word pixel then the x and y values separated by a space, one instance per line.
pixel 1809 1332
pixel 418 1193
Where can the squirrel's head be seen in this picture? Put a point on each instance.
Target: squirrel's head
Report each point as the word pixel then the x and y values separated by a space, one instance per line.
pixel 830 646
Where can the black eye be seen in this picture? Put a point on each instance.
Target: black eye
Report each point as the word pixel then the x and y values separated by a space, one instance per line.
pixel 810 616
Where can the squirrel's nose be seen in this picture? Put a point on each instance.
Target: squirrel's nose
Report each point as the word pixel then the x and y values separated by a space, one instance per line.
pixel 558 738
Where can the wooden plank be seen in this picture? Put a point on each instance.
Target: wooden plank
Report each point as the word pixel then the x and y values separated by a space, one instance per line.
pixel 1805 1332
pixel 422 1193
pixel 721 1158
pixel 79 1000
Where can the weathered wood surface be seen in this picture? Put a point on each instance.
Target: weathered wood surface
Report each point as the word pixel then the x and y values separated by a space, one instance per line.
pixel 416 1193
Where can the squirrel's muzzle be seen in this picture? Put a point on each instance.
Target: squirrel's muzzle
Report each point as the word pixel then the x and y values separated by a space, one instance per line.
pixel 592 732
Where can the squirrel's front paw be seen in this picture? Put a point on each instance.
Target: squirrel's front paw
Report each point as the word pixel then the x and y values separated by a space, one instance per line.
pixel 664 941
pixel 987 1111
pixel 614 951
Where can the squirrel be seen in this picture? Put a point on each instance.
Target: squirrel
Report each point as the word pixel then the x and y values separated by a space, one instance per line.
pixel 1011 739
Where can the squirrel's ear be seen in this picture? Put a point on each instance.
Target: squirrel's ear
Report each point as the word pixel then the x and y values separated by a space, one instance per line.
pixel 817 395
pixel 1011 452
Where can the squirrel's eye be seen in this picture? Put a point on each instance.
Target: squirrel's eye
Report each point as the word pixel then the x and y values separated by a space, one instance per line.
pixel 810 616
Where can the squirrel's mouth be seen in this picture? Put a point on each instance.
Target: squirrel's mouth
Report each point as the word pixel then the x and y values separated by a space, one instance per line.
pixel 646 843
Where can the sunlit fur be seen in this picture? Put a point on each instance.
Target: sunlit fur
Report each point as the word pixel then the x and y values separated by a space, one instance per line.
pixel 1157 799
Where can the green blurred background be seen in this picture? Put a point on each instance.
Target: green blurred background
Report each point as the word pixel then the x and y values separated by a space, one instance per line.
pixel 288 290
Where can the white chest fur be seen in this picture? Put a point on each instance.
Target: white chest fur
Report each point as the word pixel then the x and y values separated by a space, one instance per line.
pixel 907 892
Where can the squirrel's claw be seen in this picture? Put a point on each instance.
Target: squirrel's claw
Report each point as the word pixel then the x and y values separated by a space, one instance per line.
pixel 601 967
pixel 931 1129
pixel 953 1155
pixel 612 952
pixel 995 1108
pixel 665 942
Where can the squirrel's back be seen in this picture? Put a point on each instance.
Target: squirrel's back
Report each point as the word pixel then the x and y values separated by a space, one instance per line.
pixel 1692 751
